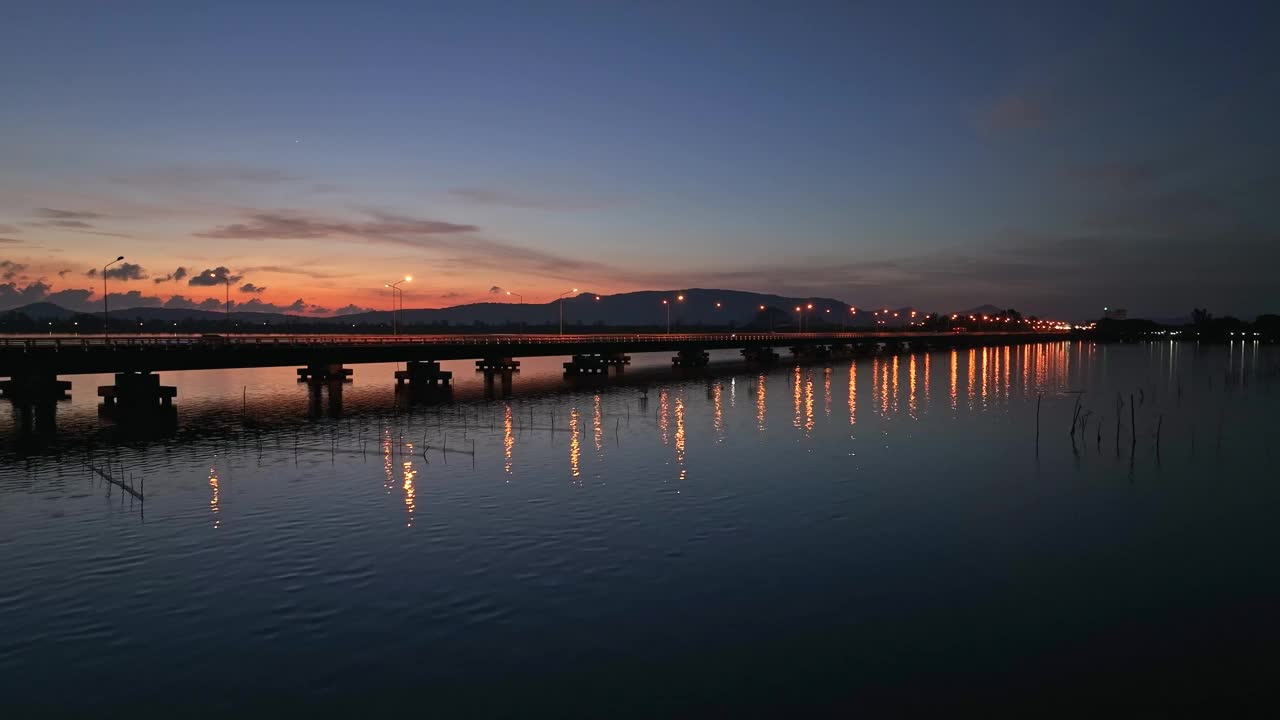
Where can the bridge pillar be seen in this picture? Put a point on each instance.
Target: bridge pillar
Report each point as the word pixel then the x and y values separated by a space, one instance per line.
pixel 137 390
pixel 809 352
pixel 892 346
pixel 692 358
pixel 33 388
pixel 918 345
pixel 760 355
pixel 618 361
pixel 423 374
pixel 589 364
pixel 497 365
pixel 318 404
pixel 322 373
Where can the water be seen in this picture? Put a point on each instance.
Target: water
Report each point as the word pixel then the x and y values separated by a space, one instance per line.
pixel 878 534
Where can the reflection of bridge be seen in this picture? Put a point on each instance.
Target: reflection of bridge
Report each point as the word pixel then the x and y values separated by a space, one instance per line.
pixel 32 364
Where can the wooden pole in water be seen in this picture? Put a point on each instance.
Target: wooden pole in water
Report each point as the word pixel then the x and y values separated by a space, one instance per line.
pixel 1039 397
pixel 1133 426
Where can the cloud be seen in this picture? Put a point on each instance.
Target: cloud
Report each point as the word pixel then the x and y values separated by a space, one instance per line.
pixel 452 294
pixel 126 271
pixel 495 290
pixel 210 304
pixel 133 299
pixel 282 270
pixel 195 178
pixel 212 278
pixel 73 299
pixel 500 198
pixel 457 246
pixel 91 272
pixel 180 302
pixel 285 225
pixel 9 229
pixel 297 306
pixel 56 214
pixel 251 288
pixel 63 273
pixel 174 276
pixel 65 224
pixel 10 269
pixel 351 310
pixel 1011 113
pixel 11 295
pixel 9 241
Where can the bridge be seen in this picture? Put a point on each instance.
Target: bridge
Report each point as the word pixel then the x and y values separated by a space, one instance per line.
pixel 32 364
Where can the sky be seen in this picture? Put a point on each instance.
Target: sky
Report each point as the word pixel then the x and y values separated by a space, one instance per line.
pixel 1053 157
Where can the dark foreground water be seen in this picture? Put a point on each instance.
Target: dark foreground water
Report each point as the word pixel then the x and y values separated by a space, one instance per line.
pixel 879 535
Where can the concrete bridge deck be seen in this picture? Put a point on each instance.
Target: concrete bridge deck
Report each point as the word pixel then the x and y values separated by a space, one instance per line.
pixel 53 355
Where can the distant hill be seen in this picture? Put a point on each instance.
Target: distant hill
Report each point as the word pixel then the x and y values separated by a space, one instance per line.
pixel 700 306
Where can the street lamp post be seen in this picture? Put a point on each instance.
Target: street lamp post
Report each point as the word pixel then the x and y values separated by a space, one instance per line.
pixel 560 302
pixel 770 314
pixel 106 317
pixel 395 288
pixel 520 298
pixel 679 298
pixel 226 282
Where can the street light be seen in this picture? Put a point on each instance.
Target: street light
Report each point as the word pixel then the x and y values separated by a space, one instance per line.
pixel 106 318
pixel 679 298
pixel 521 299
pixel 226 281
pixel 762 309
pixel 560 302
pixel 395 288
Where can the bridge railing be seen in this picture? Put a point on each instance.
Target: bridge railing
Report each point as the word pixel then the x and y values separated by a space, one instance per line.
pixel 412 341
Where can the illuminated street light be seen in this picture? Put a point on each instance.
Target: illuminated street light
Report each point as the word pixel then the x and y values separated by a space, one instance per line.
pixel 106 318
pixel 560 301
pixel 395 288
pixel 226 282
pixel 679 298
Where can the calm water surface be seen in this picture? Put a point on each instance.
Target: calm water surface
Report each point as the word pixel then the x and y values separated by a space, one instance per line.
pixel 878 534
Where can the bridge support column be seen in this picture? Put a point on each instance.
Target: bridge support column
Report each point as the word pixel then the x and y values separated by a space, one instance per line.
pixel 423 374
pixel 322 373
pixel 592 364
pixel 692 358
pixel 891 347
pixel 317 404
pixel 760 355
pixel 137 390
pixel 34 388
pixel 497 365
pixel 809 352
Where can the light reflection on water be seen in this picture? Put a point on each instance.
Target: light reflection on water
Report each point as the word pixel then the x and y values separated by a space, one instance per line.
pixel 690 523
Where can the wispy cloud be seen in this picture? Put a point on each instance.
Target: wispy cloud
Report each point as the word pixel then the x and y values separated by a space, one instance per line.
pixel 528 201
pixel 1011 113
pixel 59 214
pixel 286 225
pixel 10 241
pixel 10 229
pixel 196 178
pixel 250 288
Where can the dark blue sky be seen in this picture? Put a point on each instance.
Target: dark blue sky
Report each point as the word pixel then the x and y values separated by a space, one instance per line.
pixel 1051 156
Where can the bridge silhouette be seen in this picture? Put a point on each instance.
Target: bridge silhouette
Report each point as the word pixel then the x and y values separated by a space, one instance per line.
pixel 32 365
